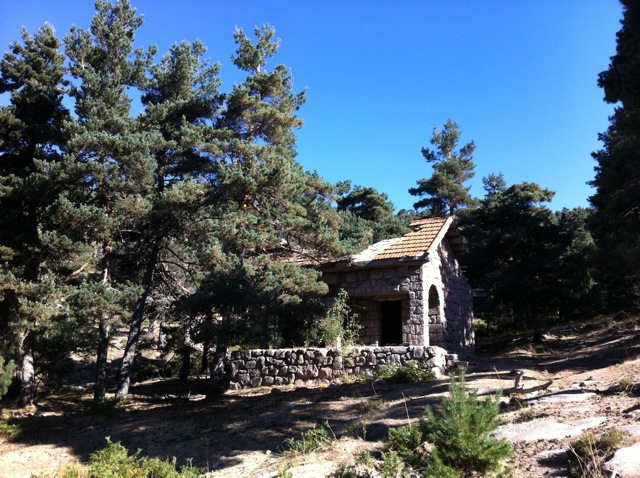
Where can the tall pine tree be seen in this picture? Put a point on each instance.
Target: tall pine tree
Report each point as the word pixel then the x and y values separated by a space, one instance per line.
pixel 109 157
pixel 182 104
pixel 32 141
pixel 267 208
pixel 616 221
pixel 445 191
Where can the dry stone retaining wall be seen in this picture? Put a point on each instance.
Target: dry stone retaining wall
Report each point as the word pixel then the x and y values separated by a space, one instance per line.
pixel 316 366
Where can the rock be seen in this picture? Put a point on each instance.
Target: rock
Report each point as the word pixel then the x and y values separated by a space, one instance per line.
pixel 631 430
pixel 545 430
pixel 563 397
pixel 237 406
pixel 552 455
pixel 625 462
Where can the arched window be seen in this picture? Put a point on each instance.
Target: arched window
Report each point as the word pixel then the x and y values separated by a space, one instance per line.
pixel 434 305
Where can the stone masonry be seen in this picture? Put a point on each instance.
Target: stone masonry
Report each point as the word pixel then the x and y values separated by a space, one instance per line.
pixel 319 366
pixel 436 300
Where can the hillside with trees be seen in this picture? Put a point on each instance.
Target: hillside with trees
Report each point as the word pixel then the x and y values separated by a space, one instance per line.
pixel 188 226
pixel 186 216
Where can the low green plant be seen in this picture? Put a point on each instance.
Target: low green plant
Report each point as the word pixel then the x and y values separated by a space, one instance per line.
pixel 356 429
pixel 285 471
pixel 411 371
pixel 626 385
pixel 338 328
pixel 364 467
pixel 351 379
pixel 6 375
pixel 8 431
pixel 371 405
pixel 320 436
pixel 352 471
pixel 114 461
pixel 108 408
pixel 588 453
pixel 456 442
pixel 391 465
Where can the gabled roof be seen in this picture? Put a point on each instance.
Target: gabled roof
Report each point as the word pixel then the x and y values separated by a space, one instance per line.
pixel 416 245
pixel 417 242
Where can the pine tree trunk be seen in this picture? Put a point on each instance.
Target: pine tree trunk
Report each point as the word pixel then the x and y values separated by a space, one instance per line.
pixel 27 371
pixel 186 355
pixel 220 374
pixel 186 363
pixel 99 390
pixel 206 348
pixel 204 363
pixel 136 323
pixel 162 337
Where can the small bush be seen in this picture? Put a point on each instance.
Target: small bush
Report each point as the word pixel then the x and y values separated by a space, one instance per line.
pixel 6 375
pixel 363 467
pixel 371 405
pixel 114 461
pixel 318 437
pixel 8 431
pixel 455 443
pixel 410 372
pixel 626 385
pixel 338 328
pixel 588 453
pixel 356 429
pixel 108 408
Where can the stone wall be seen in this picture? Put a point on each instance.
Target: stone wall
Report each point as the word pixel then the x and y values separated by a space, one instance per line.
pixel 455 331
pixel 319 366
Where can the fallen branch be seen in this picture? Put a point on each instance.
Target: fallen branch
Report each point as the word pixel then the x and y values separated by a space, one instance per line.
pixel 517 389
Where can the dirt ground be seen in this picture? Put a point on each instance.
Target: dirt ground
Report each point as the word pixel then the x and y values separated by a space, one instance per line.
pixel 243 434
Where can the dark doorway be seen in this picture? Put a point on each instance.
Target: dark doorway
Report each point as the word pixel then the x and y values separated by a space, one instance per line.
pixel 391 322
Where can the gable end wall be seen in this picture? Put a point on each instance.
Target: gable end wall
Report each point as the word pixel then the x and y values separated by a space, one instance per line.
pixel 454 328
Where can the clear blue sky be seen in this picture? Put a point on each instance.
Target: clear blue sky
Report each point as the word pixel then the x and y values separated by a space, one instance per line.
pixel 518 76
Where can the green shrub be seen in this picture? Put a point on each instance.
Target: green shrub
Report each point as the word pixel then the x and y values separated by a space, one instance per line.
pixel 109 408
pixel 339 327
pixel 8 431
pixel 6 375
pixel 114 461
pixel 588 453
pixel 318 437
pixel 457 441
pixel 412 371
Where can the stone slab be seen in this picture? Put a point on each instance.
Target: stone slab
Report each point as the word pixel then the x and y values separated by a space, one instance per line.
pixel 625 462
pixel 631 430
pixel 567 396
pixel 545 430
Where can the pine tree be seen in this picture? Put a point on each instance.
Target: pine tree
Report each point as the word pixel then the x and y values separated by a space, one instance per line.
pixel 109 157
pixel 267 207
pixel 445 190
pixel 615 223
pixel 621 82
pixel 32 141
pixel 513 248
pixel 182 102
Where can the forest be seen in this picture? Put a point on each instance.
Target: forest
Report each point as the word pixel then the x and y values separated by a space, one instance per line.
pixel 193 220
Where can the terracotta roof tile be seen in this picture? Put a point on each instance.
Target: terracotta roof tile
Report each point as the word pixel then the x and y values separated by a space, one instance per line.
pixel 415 243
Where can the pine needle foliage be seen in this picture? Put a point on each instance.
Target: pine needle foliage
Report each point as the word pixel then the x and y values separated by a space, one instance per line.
pixel 457 441
pixel 6 375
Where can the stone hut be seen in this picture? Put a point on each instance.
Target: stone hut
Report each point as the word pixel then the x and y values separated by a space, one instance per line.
pixel 410 290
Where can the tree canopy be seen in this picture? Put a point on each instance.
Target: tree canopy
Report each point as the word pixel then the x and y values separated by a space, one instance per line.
pixel 616 220
pixel 445 191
